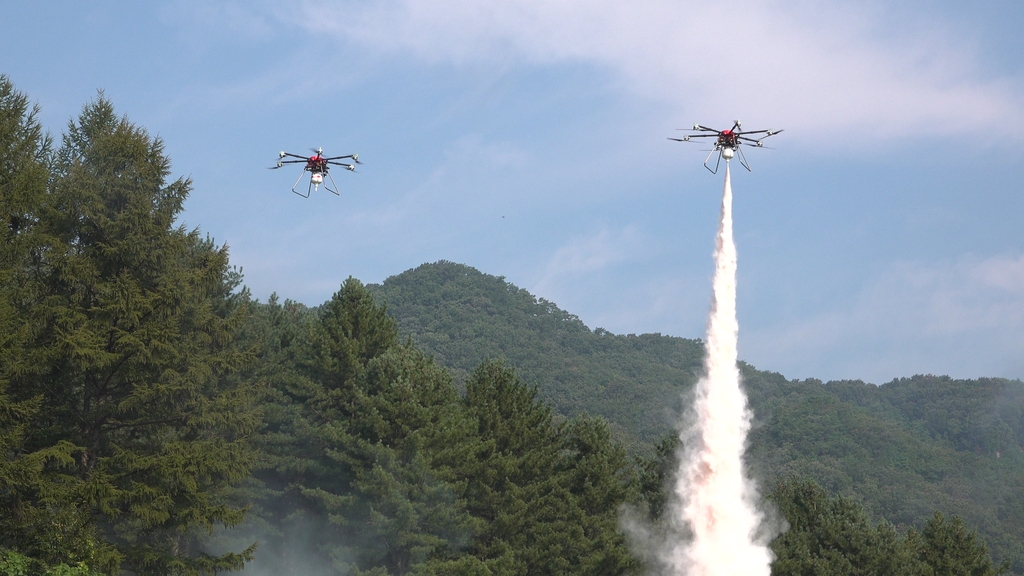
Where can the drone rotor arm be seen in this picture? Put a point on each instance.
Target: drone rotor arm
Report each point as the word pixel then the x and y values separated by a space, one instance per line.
pixel 757 144
pixel 766 133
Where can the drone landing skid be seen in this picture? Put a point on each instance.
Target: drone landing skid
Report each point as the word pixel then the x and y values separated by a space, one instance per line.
pixel 718 162
pixel 312 186
pixel 743 159
pixel 335 190
pixel 308 189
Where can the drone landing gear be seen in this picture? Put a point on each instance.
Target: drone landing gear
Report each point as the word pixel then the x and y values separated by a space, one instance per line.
pixel 722 152
pixel 743 159
pixel 717 162
pixel 308 189
pixel 316 186
pixel 329 189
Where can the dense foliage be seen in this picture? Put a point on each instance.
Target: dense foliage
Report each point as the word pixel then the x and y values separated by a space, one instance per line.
pixel 122 422
pixel 372 462
pixel 154 419
pixel 835 536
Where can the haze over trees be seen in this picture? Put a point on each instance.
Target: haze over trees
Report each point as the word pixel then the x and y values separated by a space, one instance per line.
pixel 156 419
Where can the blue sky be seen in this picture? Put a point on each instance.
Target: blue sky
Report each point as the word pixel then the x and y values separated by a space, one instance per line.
pixel 881 238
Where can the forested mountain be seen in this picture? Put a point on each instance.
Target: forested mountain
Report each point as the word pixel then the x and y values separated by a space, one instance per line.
pixel 463 317
pixel 157 420
pixel 903 449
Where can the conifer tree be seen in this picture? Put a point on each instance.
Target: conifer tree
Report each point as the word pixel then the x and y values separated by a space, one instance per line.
pixel 131 353
pixel 548 494
pixel 834 536
pixel 362 446
pixel 42 515
pixel 948 548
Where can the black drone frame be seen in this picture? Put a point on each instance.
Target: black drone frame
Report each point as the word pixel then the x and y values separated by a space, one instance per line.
pixel 733 140
pixel 320 166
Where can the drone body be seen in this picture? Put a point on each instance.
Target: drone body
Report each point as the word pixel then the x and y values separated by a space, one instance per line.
pixel 318 166
pixel 728 142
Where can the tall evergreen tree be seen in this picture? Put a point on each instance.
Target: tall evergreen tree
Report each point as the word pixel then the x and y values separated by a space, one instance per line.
pixel 948 548
pixel 363 445
pixel 834 536
pixel 131 353
pixel 548 494
pixel 41 513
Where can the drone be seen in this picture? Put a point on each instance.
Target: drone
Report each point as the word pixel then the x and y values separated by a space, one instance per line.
pixel 318 166
pixel 728 142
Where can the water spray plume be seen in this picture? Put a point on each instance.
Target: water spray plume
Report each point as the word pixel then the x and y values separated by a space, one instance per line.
pixel 715 518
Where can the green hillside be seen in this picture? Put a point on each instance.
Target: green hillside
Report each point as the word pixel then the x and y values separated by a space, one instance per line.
pixel 463 317
pixel 903 450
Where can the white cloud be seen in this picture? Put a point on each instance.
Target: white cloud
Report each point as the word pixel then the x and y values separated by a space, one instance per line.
pixel 587 255
pixel 963 318
pixel 806 66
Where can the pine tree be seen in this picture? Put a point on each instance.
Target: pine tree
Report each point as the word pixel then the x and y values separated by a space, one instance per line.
pixel 548 494
pixel 42 513
pixel 834 536
pixel 288 528
pixel 131 352
pixel 514 470
pixel 948 548
pixel 362 446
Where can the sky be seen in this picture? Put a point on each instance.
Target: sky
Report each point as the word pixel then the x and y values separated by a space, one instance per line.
pixel 880 237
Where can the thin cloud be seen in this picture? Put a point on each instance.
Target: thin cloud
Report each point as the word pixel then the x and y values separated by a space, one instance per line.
pixel 587 255
pixel 806 66
pixel 964 318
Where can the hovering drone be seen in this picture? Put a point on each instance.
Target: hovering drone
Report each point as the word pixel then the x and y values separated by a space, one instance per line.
pixel 318 166
pixel 728 142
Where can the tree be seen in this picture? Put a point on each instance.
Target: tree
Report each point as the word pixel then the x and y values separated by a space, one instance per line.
pixel 131 351
pixel 365 434
pixel 548 495
pixel 949 549
pixel 834 536
pixel 41 512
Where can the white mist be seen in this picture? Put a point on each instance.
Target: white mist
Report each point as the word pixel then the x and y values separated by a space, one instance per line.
pixel 715 521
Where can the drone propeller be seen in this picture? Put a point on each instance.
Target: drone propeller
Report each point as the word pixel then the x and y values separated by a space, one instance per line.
pixel 704 129
pixel 354 157
pixel 766 133
pixel 349 167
